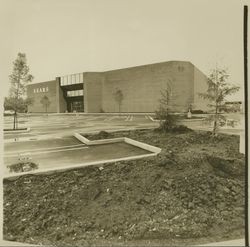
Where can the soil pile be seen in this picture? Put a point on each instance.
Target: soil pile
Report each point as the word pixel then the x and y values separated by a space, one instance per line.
pixel 191 191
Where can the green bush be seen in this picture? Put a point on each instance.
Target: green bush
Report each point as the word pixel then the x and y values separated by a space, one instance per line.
pixel 22 167
pixel 167 121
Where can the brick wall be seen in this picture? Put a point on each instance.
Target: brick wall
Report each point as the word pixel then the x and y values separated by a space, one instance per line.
pixel 141 87
pixel 61 101
pixel 200 86
pixel 93 83
pixel 38 90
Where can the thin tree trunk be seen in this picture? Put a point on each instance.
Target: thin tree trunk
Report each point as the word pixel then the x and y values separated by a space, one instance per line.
pixel 215 126
pixel 14 121
pixel 216 104
pixel 215 120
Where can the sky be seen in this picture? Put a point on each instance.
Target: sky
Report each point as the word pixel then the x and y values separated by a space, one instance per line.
pixel 63 37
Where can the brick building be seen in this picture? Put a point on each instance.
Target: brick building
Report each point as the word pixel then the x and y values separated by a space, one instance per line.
pixel 138 89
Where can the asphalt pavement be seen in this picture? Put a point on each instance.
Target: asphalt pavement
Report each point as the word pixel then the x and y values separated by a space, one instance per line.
pixel 61 125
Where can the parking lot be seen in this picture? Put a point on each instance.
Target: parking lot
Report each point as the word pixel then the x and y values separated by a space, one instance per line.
pixel 50 141
pixel 65 124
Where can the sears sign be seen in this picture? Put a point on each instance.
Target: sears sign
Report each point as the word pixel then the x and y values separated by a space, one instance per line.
pixel 41 90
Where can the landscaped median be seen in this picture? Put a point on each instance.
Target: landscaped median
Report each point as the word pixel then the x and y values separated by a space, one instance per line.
pixel 154 150
pixel 80 152
pixel 192 192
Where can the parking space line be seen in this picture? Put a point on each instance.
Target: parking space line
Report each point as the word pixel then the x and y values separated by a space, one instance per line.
pixel 109 118
pixel 46 152
pixel 129 118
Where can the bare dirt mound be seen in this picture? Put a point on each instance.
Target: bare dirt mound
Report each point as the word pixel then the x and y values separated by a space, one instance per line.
pixel 192 191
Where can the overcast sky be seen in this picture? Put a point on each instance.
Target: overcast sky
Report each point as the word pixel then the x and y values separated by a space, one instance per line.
pixel 63 37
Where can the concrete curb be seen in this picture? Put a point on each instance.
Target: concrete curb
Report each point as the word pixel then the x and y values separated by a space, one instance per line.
pixel 141 145
pixel 182 120
pixel 86 141
pixel 16 131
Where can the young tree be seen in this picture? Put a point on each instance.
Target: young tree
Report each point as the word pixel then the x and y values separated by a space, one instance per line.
pixel 45 102
pixel 164 113
pixel 218 90
pixel 118 95
pixel 19 78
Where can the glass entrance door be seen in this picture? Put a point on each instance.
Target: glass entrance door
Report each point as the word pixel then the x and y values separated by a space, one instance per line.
pixel 77 106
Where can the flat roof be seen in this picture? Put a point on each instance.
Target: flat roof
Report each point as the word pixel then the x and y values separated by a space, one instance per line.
pixel 132 67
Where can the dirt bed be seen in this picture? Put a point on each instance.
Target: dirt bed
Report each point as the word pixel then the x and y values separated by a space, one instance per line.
pixel 191 193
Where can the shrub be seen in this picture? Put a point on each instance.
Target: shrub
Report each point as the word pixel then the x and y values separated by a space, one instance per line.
pixel 22 167
pixel 167 121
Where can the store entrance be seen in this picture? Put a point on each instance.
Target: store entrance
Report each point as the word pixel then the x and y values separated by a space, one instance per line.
pixel 76 106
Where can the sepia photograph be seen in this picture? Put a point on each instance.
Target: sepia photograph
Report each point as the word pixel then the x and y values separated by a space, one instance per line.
pixel 124 123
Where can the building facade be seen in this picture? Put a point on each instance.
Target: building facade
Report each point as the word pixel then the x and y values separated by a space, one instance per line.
pixel 136 89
